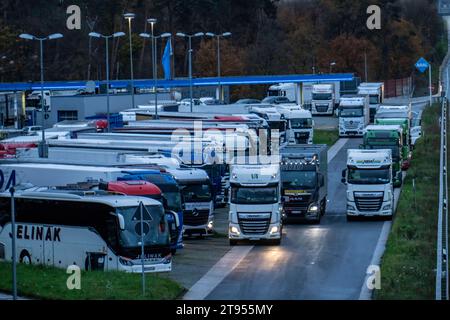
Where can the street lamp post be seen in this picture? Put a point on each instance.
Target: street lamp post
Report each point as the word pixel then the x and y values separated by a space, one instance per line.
pixel 154 59
pixel 43 147
pixel 183 35
pixel 129 17
pixel 115 35
pixel 218 36
pixel 332 64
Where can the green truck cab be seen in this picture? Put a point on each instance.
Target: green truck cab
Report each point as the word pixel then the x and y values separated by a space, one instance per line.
pixel 388 137
pixel 398 115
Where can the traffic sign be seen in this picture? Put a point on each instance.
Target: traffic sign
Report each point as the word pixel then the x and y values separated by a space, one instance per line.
pixel 422 65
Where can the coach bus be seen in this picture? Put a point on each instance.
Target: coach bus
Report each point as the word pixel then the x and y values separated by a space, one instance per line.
pixel 93 230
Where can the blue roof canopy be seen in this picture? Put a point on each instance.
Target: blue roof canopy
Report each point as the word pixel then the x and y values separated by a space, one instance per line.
pixel 197 82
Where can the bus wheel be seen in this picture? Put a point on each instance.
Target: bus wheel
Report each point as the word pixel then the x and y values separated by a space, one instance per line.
pixel 25 257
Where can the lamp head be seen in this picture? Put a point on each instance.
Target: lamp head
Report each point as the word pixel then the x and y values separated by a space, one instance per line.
pixel 129 16
pixel 55 36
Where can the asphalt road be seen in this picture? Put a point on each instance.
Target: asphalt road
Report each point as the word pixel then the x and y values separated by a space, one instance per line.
pixel 326 261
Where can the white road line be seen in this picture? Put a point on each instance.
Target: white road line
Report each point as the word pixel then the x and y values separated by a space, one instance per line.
pixel 203 287
pixel 366 293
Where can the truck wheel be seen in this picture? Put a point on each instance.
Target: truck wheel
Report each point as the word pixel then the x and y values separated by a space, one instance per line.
pixel 350 218
pixel 233 242
pixel 324 206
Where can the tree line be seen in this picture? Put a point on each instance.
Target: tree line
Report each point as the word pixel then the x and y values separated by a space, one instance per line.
pixel 268 37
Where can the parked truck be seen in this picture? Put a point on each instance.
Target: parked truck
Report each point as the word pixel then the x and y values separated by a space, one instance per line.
pixel 388 137
pixel 353 115
pixel 397 115
pixel 369 180
pixel 255 210
pixel 375 91
pixel 304 181
pixel 323 99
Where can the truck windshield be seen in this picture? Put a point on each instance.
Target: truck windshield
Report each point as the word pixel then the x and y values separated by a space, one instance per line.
pixel 351 112
pixel 369 176
pixel 374 99
pixel 173 201
pixel 305 123
pixel 322 96
pixel 393 115
pixel 299 179
pixel 156 232
pixel 278 125
pixel 393 146
pixel 197 192
pixel 254 195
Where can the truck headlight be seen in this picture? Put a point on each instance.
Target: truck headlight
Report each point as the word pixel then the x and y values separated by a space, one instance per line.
pixel 234 230
pixel 274 230
pixel 387 207
pixel 350 207
pixel 313 208
pixel 210 225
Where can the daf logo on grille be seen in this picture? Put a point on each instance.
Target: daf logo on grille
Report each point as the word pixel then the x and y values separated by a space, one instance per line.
pixel 195 213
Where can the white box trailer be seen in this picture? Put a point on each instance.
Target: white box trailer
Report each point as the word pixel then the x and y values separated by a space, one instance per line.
pixel 51 175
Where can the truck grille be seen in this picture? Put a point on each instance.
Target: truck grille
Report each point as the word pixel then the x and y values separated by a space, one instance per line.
pixel 368 204
pixel 351 125
pixel 301 137
pixel 252 225
pixel 323 108
pixel 195 218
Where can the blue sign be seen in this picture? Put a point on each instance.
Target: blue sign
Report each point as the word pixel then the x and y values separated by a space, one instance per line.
pixel 422 65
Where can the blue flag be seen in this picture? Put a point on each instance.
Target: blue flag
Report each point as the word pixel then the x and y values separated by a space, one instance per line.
pixel 166 60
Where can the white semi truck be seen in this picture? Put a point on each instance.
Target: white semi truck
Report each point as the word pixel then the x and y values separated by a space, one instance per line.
pixel 375 91
pixel 353 115
pixel 255 202
pixel 300 124
pixel 323 99
pixel 369 180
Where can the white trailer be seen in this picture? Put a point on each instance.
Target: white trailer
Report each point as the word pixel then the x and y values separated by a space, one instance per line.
pixel 375 91
pixel 255 210
pixel 353 115
pixel 369 180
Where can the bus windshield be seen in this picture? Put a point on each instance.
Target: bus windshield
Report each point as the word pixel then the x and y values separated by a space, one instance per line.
pixel 305 123
pixel 299 179
pixel 156 231
pixel 351 112
pixel 254 195
pixel 369 176
pixel 200 192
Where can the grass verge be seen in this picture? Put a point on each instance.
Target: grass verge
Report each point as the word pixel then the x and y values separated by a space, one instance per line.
pixel 407 269
pixel 49 283
pixel 328 137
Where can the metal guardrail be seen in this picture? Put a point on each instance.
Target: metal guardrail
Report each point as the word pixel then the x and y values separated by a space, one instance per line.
pixel 442 232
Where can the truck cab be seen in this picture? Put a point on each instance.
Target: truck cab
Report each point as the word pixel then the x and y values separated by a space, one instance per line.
pixel 255 210
pixel 304 181
pixel 353 115
pixel 375 91
pixel 197 200
pixel 323 99
pixel 369 180
pixel 299 125
pixel 388 137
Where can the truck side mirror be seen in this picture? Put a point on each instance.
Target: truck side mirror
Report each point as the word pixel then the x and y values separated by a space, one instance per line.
pixel 321 180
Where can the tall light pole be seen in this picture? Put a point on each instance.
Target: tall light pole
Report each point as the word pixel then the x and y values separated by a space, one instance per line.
pixel 218 36
pixel 190 36
pixel 332 64
pixel 43 147
pixel 129 17
pixel 114 35
pixel 154 59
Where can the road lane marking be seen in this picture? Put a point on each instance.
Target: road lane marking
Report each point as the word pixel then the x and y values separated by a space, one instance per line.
pixel 203 287
pixel 334 149
pixel 366 293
